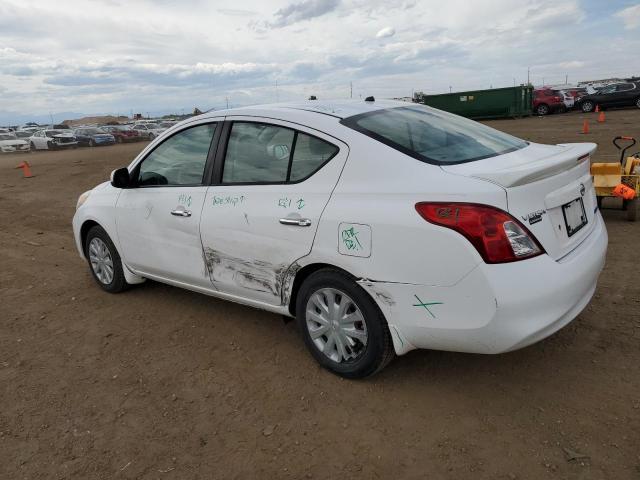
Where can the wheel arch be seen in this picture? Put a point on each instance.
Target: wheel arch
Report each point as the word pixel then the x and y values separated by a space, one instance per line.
pixel 302 274
pixel 84 231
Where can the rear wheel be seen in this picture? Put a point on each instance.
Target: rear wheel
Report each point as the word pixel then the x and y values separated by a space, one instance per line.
pixel 542 109
pixel 342 326
pixel 587 106
pixel 104 261
pixel 638 102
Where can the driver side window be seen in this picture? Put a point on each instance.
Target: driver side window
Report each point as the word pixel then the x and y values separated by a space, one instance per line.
pixel 179 160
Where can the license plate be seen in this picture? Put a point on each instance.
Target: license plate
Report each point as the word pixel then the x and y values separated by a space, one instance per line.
pixel 574 216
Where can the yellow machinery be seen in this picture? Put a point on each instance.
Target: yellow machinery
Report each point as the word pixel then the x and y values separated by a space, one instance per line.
pixel 610 179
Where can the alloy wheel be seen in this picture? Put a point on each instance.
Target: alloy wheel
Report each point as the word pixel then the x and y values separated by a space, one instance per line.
pixel 101 260
pixel 336 325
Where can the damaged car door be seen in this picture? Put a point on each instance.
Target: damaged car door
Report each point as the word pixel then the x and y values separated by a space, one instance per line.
pixel 270 186
pixel 158 216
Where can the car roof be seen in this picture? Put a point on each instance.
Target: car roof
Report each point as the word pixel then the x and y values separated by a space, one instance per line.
pixel 334 108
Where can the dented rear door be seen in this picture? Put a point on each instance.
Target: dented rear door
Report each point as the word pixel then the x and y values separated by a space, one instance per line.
pixel 255 224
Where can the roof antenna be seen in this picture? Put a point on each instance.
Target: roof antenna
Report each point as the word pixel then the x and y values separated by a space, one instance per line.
pixel 370 99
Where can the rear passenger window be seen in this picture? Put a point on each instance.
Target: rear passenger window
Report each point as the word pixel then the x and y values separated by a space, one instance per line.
pixel 309 155
pixel 262 153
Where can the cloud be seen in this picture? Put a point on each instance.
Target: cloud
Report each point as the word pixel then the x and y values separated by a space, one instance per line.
pixel 305 10
pixel 630 16
pixel 386 32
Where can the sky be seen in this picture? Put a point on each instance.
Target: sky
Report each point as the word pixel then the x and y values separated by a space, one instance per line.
pixel 60 58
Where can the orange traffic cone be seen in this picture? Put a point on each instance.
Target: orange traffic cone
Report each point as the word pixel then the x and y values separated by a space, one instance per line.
pixel 597 108
pixel 26 170
pixel 585 127
pixel 601 117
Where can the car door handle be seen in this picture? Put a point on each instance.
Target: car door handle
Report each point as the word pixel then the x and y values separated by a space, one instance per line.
pixel 296 222
pixel 181 213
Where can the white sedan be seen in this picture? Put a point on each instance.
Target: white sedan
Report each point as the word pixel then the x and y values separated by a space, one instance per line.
pixel 9 143
pixel 380 226
pixel 52 139
pixel 149 130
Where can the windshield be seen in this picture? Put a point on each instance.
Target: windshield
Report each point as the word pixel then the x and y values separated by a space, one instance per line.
pixel 51 133
pixel 433 136
pixel 151 125
pixel 5 136
pixel 92 131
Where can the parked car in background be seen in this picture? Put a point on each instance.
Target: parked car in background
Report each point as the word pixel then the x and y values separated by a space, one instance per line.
pixel 616 95
pixel 9 143
pixel 93 137
pixel 23 134
pixel 148 130
pixel 547 101
pixel 483 243
pixel 567 99
pixel 52 140
pixel 123 133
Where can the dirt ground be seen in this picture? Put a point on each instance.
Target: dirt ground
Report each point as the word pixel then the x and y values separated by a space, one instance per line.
pixel 162 383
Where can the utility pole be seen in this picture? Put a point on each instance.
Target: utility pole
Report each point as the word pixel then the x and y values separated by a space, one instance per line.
pixel 277 97
pixel 449 88
pixel 227 98
pixel 514 81
pixel 351 89
pixel 566 79
pixel 528 81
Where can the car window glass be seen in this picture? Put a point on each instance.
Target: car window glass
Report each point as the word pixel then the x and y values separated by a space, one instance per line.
pixel 432 135
pixel 309 154
pixel 623 87
pixel 179 160
pixel 257 152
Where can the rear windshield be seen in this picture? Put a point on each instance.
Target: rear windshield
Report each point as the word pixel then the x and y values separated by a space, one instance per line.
pixel 433 136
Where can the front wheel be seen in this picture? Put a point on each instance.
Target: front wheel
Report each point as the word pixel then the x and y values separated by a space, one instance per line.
pixel 587 106
pixel 104 261
pixel 342 326
pixel 542 109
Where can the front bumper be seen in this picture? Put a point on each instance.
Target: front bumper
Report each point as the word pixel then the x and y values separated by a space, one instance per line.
pixel 494 308
pixel 15 149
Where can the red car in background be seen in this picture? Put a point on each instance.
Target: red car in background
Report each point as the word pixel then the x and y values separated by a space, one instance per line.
pixel 123 133
pixel 547 101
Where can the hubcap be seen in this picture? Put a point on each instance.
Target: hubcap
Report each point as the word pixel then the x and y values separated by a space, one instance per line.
pixel 336 325
pixel 101 261
pixel 588 106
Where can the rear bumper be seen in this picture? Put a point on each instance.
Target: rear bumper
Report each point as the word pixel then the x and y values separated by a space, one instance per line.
pixel 495 308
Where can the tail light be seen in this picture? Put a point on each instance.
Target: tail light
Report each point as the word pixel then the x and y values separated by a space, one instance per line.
pixel 497 236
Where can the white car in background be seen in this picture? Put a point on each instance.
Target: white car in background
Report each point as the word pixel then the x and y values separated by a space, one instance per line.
pixel 567 99
pixel 47 139
pixel 9 143
pixel 148 130
pixel 380 226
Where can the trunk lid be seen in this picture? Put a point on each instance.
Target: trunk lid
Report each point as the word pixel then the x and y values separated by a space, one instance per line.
pixel 549 189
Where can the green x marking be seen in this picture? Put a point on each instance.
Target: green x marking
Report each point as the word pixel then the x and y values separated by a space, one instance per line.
pixel 426 305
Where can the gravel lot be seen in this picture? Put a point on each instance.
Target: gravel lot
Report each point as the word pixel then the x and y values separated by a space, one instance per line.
pixel 163 383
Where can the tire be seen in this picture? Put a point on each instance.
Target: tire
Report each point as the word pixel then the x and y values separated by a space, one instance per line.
pixel 50 146
pixel 96 239
pixel 367 358
pixel 542 109
pixel 632 210
pixel 599 201
pixel 32 146
pixel 638 102
pixel 588 106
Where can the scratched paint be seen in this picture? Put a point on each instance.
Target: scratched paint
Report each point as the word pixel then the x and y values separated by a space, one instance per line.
pixel 378 291
pixel 257 275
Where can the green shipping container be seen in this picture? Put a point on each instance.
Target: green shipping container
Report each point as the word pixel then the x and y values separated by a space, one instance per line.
pixel 478 104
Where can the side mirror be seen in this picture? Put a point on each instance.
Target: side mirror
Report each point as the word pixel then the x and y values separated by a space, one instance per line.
pixel 120 178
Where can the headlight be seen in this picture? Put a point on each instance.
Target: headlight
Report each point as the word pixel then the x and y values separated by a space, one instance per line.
pixel 82 198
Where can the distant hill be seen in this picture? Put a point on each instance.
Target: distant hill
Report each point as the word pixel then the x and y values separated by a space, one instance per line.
pixel 100 120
